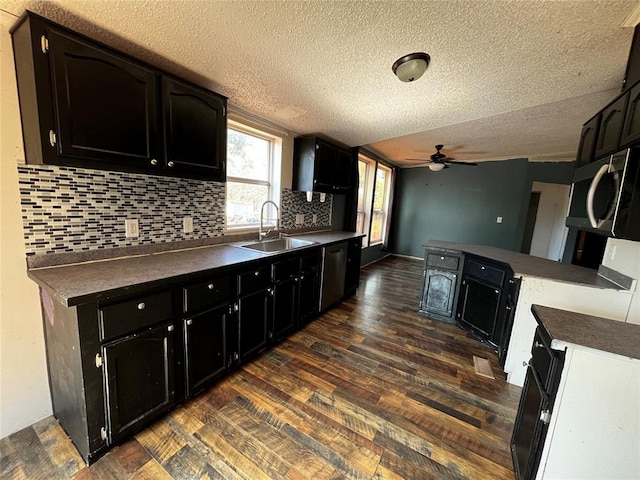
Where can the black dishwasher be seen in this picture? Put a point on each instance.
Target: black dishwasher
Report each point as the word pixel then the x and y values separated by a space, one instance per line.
pixel 536 404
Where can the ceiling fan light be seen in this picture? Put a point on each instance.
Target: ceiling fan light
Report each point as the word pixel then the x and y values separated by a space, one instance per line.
pixel 411 67
pixel 435 167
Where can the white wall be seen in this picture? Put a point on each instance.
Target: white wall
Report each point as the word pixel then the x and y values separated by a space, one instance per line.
pixel 624 256
pixel 550 232
pixel 24 389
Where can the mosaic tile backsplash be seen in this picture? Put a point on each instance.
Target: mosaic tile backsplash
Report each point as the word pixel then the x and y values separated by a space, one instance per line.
pixel 68 209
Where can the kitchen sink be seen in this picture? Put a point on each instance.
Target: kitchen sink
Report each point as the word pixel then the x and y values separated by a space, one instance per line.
pixel 276 245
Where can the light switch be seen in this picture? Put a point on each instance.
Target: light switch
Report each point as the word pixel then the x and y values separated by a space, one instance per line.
pixel 187 224
pixel 131 228
pixel 498 219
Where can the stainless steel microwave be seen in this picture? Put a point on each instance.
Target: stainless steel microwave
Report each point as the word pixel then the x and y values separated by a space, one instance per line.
pixel 605 196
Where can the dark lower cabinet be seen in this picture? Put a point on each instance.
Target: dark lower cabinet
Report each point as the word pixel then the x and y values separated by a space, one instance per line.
pixel 253 322
pixel 536 404
pixel 308 289
pixel 285 308
pixel 352 275
pixel 479 304
pixel 439 292
pixel 205 347
pixel 139 379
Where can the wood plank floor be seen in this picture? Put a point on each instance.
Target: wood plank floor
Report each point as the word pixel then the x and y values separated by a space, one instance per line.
pixel 368 390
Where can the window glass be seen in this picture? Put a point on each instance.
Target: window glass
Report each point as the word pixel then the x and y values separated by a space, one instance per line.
pixel 250 170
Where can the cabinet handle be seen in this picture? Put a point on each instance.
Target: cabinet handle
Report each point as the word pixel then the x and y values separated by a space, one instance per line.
pixel 141 306
pixel 52 138
pixel 210 286
pixel 170 164
pixel 537 344
pixel 256 273
pixel 235 307
pixel 170 328
pixel 189 322
pixel 545 416
pixel 235 356
pixel 154 162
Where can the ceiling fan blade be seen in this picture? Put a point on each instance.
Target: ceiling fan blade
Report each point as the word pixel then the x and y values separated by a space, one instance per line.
pixel 419 165
pixel 471 164
pixel 423 160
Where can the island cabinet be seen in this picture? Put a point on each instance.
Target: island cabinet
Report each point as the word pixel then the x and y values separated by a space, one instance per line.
pixel 578 415
pixel 440 285
pixel 84 104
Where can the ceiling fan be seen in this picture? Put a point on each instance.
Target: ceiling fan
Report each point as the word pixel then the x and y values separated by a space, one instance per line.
pixel 439 161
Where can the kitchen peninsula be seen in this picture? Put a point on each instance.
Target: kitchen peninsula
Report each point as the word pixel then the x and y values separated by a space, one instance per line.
pixel 549 283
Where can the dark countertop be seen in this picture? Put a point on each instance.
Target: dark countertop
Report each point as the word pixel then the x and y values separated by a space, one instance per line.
pixel 523 264
pixel 84 282
pixel 570 328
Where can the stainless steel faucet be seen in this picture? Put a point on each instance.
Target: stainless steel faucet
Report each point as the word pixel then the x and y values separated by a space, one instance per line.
pixel 262 234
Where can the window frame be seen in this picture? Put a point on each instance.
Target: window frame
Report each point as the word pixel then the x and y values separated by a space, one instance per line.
pixel 368 211
pixel 274 173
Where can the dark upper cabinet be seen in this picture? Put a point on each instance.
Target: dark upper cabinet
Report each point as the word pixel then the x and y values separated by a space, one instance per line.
pixel 139 384
pixel 84 104
pixel 320 166
pixel 587 143
pixel 631 127
pixel 105 106
pixel 195 129
pixel 611 128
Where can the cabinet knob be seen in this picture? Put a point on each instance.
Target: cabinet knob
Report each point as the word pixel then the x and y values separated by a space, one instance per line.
pixel 235 356
pixel 545 416
pixel 270 290
pixel 141 306
pixel 537 344
pixel 441 258
pixel 170 328
pixel 210 286
pixel 256 273
pixel 497 291
pixel 154 162
pixel 301 277
pixel 483 267
pixel 189 322
pixel 170 164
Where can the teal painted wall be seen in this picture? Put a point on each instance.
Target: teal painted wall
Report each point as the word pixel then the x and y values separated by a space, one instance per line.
pixel 460 204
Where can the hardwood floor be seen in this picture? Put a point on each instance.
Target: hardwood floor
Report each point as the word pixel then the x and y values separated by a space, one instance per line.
pixel 368 390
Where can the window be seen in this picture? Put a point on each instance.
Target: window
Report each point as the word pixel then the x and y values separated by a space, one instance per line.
pixel 374 190
pixel 253 174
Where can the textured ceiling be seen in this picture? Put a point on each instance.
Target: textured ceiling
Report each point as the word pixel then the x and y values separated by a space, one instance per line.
pixel 508 78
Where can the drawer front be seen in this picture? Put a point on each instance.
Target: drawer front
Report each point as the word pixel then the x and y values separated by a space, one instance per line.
pixel 206 294
pixel 448 262
pixel 285 269
pixel 309 263
pixel 126 317
pixel 254 280
pixel 485 272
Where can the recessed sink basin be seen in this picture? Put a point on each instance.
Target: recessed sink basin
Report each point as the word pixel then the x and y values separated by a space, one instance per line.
pixel 276 245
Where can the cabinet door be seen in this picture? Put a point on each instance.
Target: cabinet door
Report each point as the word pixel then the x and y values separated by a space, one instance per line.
pixel 478 306
pixel 631 129
pixel 285 308
pixel 308 295
pixel 324 168
pixel 439 292
pixel 138 376
pixel 105 105
pixel 342 174
pixel 527 439
pixel 587 143
pixel 253 319
pixel 354 255
pixel 205 348
pixel 611 128
pixel 195 128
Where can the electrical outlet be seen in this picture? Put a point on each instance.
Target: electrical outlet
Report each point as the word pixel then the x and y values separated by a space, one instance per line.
pixel 187 224
pixel 299 218
pixel 131 228
pixel 498 219
pixel 612 252
pixel 315 218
